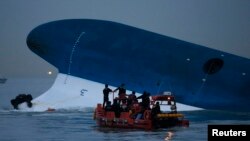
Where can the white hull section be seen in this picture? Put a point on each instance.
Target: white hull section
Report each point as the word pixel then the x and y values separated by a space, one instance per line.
pixel 69 92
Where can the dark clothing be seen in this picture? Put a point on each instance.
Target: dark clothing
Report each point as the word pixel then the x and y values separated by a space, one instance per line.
pixel 121 92
pixel 108 106
pixel 155 110
pixel 145 100
pixel 146 103
pixel 106 92
pixel 117 109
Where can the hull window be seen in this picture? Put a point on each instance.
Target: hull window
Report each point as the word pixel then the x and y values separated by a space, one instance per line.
pixel 212 66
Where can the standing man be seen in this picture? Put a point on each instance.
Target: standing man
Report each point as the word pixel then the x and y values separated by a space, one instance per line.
pixel 145 100
pixel 106 92
pixel 122 91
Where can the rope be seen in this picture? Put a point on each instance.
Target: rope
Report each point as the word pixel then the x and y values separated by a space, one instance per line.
pixel 202 84
pixel 71 55
pixel 205 79
pixel 161 83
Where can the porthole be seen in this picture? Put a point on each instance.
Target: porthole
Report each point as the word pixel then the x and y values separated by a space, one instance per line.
pixel 212 66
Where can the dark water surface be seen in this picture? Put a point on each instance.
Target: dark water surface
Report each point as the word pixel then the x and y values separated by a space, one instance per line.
pixel 78 125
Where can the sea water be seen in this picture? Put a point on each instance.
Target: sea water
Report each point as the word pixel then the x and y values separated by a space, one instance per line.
pixel 78 125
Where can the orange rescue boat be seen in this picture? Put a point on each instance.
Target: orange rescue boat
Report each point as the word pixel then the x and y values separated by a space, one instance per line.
pixel 135 117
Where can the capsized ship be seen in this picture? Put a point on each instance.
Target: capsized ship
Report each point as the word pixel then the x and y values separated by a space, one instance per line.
pixel 114 53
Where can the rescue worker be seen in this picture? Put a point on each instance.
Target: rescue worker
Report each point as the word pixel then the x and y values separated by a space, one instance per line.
pixel 117 109
pixel 121 92
pixel 155 110
pixel 106 92
pixel 145 100
pixel 131 99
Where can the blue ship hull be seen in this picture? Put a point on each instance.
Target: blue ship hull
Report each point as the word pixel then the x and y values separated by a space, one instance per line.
pixel 114 53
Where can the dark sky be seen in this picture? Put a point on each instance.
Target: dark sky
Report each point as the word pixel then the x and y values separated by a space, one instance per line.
pixel 218 24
